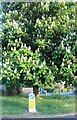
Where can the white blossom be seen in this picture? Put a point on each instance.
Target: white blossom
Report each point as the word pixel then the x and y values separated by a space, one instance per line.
pixel 15 25
pixel 37 62
pixel 15 70
pixel 8 22
pixel 25 57
pixel 49 71
pixel 62 45
pixel 63 59
pixel 41 66
pixel 29 48
pixel 49 27
pixel 43 17
pixel 19 39
pixel 29 59
pixel 42 3
pixel 0 64
pixel 53 24
pixel 9 68
pixel 22 45
pixel 27 72
pixel 4 48
pixel 44 62
pixel 48 41
pixel 25 46
pixel 62 63
pixel 25 29
pixel 67 36
pixel 63 82
pixel 22 56
pixel 5 71
pixel 40 36
pixel 4 65
pixel 52 63
pixel 11 48
pixel 38 21
pixel 46 29
pixel 34 75
pixel 33 62
pixel 10 62
pixel 15 40
pixel 1 71
pixel 50 18
pixel 38 50
pixel 68 66
pixel 7 62
pixel 68 49
pixel 76 42
pixel 74 33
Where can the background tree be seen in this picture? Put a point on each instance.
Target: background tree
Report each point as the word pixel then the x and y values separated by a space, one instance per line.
pixel 39 43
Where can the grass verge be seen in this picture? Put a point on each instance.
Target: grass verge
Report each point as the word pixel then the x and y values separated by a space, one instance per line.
pixel 55 104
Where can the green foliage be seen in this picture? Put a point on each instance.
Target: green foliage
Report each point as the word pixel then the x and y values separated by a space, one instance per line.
pixel 65 90
pixel 39 43
pixel 26 63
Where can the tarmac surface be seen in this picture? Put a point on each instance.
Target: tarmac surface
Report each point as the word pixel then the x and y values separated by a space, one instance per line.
pixel 61 93
pixel 31 116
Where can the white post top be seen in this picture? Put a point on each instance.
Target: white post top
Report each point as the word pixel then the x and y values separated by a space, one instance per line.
pixel 31 96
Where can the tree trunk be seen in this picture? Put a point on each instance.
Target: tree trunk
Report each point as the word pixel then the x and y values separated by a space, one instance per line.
pixel 35 90
pixel 18 90
pixel 17 87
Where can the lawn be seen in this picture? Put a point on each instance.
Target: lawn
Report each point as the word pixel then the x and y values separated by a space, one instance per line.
pixel 55 104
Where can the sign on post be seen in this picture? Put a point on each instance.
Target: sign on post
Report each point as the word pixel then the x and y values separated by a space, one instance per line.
pixel 32 106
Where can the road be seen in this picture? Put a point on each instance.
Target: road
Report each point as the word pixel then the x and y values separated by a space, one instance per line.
pixel 43 117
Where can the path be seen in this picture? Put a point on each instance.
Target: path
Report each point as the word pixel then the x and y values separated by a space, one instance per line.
pixel 61 93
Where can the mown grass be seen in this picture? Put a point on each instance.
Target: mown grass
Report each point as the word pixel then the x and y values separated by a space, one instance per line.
pixel 55 104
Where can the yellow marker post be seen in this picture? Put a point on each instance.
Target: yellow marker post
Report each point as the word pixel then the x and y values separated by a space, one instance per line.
pixel 32 106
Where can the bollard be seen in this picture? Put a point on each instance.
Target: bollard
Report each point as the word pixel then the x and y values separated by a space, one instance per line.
pixel 32 105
